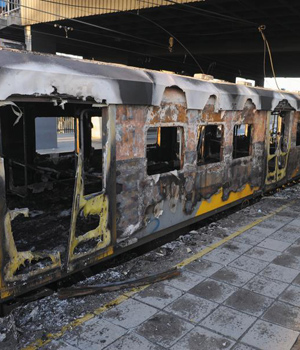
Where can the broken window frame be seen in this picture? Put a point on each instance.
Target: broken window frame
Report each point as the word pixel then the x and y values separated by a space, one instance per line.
pixel 201 145
pixel 236 153
pixel 177 163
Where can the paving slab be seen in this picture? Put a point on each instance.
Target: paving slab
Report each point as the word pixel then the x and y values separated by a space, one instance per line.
pixel 243 347
pixel 191 308
pixel 203 339
pixel 280 273
pixel 294 249
pixel 288 260
pixel 228 322
pixel 95 334
pixel 288 213
pixel 295 222
pixel 233 276
pixel 133 341
pixel 248 239
pixel 236 247
pixel 203 267
pixel 130 313
pixel 164 329
pixel 158 295
pixel 222 256
pixel 284 314
pixel 291 295
pixel 288 234
pixel 261 231
pixel 297 280
pixel 266 286
pixel 274 244
pixel 249 302
pixel 254 235
pixel 185 281
pixel 213 290
pixel 249 264
pixel 273 223
pixel 268 336
pixel 262 254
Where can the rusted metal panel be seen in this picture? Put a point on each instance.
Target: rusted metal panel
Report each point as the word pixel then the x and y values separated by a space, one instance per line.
pixel 35 11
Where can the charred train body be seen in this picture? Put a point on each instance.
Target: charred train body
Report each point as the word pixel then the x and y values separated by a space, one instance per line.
pixel 96 158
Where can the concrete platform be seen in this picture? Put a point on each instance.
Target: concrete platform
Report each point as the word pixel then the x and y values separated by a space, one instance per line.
pixel 240 293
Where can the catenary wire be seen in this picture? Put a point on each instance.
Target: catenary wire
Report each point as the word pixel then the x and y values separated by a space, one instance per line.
pixel 115 48
pixel 108 29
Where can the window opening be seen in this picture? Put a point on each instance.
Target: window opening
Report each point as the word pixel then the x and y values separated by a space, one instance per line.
pixel 92 129
pixel 298 135
pixel 164 149
pixel 209 144
pixel 241 140
pixel 55 135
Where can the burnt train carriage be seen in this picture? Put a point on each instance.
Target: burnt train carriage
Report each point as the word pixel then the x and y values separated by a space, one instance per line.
pixel 146 152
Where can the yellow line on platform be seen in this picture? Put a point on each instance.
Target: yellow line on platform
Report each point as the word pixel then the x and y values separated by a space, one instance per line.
pixel 79 321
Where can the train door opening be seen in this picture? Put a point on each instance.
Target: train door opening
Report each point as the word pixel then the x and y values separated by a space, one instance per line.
pixel 42 183
pixel 278 145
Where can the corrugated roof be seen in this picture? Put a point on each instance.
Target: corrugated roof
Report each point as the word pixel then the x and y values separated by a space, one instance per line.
pixel 36 11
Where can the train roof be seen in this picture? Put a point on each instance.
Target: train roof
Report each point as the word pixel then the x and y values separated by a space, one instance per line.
pixel 34 74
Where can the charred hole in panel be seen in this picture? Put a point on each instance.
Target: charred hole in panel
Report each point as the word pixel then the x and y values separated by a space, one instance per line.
pixel 209 148
pixel 242 140
pixel 164 149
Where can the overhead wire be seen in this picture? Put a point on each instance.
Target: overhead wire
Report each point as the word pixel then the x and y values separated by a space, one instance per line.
pixel 266 44
pixel 102 45
pixel 213 13
pixel 112 30
pixel 82 22
pixel 122 33
pixel 145 18
pixel 104 28
pixel 172 35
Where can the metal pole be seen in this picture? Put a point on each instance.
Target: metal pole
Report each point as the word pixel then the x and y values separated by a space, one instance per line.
pixel 28 38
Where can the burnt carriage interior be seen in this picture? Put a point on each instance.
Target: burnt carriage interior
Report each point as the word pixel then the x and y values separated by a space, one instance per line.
pixel 43 179
pixel 164 149
pixel 241 140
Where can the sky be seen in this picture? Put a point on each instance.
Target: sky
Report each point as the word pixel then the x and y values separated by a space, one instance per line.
pixel 291 84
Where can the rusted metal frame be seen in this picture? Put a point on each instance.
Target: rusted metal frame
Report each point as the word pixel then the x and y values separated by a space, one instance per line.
pixel 97 203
